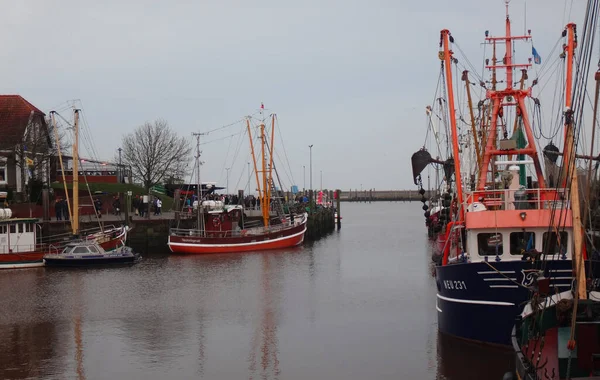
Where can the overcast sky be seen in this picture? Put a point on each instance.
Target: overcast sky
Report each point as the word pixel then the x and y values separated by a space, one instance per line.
pixel 351 77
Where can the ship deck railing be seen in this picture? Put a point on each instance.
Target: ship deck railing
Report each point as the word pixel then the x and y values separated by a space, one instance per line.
pixel 520 199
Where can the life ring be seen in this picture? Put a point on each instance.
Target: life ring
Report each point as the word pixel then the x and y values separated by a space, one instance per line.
pixel 216 222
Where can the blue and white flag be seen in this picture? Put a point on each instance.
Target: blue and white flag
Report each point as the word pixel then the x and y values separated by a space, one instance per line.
pixel 536 57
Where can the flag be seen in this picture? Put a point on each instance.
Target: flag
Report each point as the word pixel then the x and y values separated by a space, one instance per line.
pixel 28 161
pixel 262 106
pixel 536 57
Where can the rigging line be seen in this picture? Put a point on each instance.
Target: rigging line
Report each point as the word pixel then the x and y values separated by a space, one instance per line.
pixel 220 139
pixel 237 150
pixel 225 161
pixel 467 60
pixel 283 146
pixel 87 131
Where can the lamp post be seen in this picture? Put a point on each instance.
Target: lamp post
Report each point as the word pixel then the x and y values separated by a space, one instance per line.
pixel 227 188
pixel 310 148
pixel 120 170
pixel 304 176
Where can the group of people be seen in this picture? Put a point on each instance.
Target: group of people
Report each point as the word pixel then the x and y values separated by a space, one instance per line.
pixel 142 208
pixel 61 209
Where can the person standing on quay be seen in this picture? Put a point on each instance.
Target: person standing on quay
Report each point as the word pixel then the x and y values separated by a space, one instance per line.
pixel 58 209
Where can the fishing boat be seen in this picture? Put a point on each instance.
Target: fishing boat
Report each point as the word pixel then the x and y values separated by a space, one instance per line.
pixel 104 247
pixel 224 228
pixel 497 221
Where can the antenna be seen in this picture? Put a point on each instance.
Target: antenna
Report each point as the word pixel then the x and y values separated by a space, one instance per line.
pixel 198 163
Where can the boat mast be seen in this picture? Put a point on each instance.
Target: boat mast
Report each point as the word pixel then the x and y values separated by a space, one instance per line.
pixel 465 77
pixel 271 152
pixel 264 205
pixel 62 168
pixel 255 165
pixel 570 51
pixel 445 36
pixel 200 210
pixel 75 223
pixel 569 166
pixel 508 97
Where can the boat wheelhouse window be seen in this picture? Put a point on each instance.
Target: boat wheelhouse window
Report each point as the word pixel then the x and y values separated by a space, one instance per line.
pixel 550 243
pixel 81 250
pixel 3 229
pixel 489 243
pixel 21 228
pixel 13 229
pixel 67 249
pixel 93 249
pixel 29 227
pixel 521 242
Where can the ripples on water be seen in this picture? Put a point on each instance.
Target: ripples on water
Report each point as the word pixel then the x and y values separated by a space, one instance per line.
pixel 358 304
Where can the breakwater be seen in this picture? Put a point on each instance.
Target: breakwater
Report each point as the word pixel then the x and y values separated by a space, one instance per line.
pixel 371 195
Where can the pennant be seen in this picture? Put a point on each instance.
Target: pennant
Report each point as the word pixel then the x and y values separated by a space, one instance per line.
pixel 536 57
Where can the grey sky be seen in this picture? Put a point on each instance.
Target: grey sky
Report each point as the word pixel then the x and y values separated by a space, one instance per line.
pixel 351 77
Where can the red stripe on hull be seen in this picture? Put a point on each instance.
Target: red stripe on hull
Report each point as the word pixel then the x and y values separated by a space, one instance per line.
pixel 11 259
pixel 288 242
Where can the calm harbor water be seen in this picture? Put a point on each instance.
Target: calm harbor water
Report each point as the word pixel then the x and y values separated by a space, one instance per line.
pixel 358 304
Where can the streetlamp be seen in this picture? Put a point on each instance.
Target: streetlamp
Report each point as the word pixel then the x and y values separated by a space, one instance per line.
pixel 227 189
pixel 310 148
pixel 304 176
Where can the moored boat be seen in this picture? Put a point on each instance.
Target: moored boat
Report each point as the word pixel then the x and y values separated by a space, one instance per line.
pixel 88 253
pixel 222 228
pixel 498 222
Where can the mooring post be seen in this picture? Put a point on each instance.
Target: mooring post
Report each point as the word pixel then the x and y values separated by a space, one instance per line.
pixel 46 204
pixel 339 212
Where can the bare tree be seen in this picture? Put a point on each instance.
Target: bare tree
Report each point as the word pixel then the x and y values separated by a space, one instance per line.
pixel 154 151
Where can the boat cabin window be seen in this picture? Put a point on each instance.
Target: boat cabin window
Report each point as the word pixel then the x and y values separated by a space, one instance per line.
pixel 489 243
pixel 550 243
pixel 521 242
pixel 67 249
pixel 92 249
pixel 13 229
pixel 3 229
pixel 21 227
pixel 81 250
pixel 29 227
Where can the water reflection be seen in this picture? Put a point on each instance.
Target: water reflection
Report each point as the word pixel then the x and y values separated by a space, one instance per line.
pixel 359 304
pixel 459 359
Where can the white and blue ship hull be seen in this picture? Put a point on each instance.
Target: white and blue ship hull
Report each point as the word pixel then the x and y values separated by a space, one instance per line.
pixel 480 302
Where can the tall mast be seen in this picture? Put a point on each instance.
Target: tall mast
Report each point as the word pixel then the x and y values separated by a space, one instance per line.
pixel 75 224
pixel 254 162
pixel 569 166
pixel 264 202
pixel 455 151
pixel 62 168
pixel 465 77
pixel 271 152
pixel 508 97
pixel 570 51
pixel 200 210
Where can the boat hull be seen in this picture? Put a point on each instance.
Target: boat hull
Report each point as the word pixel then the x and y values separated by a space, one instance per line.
pixel 275 240
pixel 480 303
pixel 91 261
pixel 21 260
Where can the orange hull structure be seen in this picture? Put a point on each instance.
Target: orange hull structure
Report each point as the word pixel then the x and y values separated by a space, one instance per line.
pixel 283 238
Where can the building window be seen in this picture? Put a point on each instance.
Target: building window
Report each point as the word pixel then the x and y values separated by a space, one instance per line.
pixel 550 243
pixel 3 172
pixel 521 242
pixel 489 244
